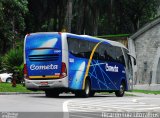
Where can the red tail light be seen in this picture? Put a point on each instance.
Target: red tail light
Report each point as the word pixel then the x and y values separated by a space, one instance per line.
pixel 25 71
pixel 63 70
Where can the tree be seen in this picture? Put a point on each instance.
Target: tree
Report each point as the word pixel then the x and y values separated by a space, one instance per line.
pixel 93 17
pixel 12 22
pixel 46 15
pixel 140 12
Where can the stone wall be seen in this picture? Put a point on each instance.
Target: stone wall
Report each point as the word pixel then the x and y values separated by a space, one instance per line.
pixel 146 46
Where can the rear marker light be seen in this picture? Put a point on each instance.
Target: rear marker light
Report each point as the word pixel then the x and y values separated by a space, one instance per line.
pixel 63 70
pixel 25 71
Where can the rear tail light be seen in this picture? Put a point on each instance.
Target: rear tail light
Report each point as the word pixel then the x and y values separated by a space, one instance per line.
pixel 25 71
pixel 63 70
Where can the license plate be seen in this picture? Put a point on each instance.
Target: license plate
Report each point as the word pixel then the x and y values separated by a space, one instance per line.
pixel 44 83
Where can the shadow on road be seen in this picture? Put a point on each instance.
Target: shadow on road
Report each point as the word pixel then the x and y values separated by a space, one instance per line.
pixel 71 96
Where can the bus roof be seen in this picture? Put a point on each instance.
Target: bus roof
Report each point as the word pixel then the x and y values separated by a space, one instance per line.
pixel 114 43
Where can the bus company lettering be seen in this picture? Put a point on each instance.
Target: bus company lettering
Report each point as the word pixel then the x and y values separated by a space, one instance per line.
pixel 43 67
pixel 111 68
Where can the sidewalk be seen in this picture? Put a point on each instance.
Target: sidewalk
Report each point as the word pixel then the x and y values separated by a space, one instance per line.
pixel 17 93
pixel 143 94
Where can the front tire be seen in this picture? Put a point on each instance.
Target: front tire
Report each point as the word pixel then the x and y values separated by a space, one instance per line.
pixel 120 93
pixel 86 92
pixel 92 93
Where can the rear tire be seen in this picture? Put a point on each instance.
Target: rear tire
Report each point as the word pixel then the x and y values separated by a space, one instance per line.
pixel 120 93
pixel 50 93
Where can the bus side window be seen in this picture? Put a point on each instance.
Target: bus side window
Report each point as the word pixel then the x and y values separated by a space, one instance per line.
pixel 119 56
pixel 106 56
pixel 126 57
pixel 73 46
pixel 96 55
pixel 101 50
pixel 109 53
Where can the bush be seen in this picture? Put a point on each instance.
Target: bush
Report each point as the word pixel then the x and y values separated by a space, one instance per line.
pixel 13 59
pixel 0 63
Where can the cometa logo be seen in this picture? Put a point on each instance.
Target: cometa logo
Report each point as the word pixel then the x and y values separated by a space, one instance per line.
pixel 43 67
pixel 111 68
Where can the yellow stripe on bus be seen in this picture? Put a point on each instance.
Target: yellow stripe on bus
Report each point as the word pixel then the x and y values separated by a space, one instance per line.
pixel 37 77
pixel 89 62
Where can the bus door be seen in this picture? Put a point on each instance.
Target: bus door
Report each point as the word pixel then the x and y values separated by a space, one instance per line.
pixel 129 69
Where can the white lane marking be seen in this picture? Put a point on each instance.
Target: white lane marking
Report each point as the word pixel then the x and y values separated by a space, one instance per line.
pixel 94 105
pixel 65 109
pixel 134 100
pixel 152 107
pixel 65 106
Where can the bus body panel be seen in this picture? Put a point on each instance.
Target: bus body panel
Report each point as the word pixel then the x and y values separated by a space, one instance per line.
pixel 107 79
pixel 101 78
pixel 104 75
pixel 43 55
pixel 77 69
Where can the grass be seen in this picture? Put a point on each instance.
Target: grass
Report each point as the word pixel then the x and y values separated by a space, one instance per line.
pixel 147 92
pixel 116 35
pixel 7 87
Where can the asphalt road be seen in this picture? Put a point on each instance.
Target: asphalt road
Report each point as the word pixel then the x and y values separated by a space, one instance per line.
pixel 79 107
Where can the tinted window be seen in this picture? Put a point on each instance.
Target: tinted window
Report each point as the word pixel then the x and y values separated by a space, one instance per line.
pixel 126 55
pixel 104 52
pixel 80 48
pixel 119 55
pixel 109 53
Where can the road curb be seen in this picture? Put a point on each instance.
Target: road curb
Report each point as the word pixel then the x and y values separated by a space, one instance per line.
pixel 17 93
pixel 143 94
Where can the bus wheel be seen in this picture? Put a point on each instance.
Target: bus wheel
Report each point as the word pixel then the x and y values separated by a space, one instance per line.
pixel 86 92
pixel 92 93
pixel 120 92
pixel 50 93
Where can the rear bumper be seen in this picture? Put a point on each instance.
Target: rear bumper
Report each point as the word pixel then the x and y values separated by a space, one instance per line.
pixel 56 83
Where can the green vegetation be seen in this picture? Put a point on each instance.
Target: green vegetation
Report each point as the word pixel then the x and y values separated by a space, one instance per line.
pixel 7 87
pixel 12 62
pixel 91 17
pixel 13 59
pixel 111 36
pixel 12 23
pixel 147 92
pixel 0 63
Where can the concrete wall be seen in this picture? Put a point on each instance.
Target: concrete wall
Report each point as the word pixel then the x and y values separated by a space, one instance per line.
pixel 146 47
